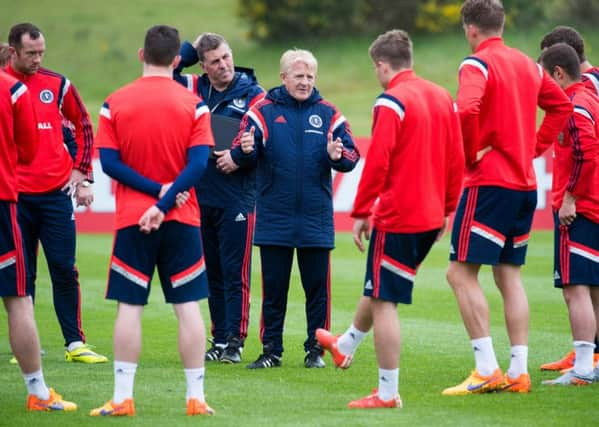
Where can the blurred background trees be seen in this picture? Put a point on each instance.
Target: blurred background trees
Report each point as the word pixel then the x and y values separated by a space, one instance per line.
pixel 278 20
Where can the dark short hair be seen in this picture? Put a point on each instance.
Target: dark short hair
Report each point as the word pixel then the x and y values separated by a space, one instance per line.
pixel 561 55
pixel 161 45
pixel 393 47
pixel 487 15
pixel 15 36
pixel 568 35
pixel 209 41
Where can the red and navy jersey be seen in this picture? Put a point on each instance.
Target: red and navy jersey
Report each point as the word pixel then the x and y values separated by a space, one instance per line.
pixel 18 133
pixel 415 161
pixel 152 122
pixel 576 161
pixel 54 99
pixel 590 78
pixel 499 90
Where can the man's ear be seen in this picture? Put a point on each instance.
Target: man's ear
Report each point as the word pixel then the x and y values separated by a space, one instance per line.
pixel 140 55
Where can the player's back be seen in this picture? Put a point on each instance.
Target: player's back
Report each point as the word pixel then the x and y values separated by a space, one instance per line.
pixel 153 119
pixel 508 114
pixel 152 122
pixel 18 133
pixel 420 160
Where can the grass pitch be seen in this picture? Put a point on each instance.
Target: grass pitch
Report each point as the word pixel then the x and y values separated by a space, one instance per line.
pixel 435 354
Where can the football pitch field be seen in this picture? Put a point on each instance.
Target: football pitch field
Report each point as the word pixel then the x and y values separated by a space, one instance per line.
pixel 435 354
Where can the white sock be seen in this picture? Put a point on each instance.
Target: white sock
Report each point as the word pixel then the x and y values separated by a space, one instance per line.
pixel 36 385
pixel 583 364
pixel 124 377
pixel 350 340
pixel 518 361
pixel 484 356
pixel 75 344
pixel 195 383
pixel 388 383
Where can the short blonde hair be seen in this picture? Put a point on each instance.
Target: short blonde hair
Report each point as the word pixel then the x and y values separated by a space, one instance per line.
pixel 292 56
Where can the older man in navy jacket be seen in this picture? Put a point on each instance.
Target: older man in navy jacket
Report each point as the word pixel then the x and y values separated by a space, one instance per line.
pixel 294 138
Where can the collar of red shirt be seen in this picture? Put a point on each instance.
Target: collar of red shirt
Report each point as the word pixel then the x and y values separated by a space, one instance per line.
pixel 490 41
pixel 402 76
pixel 19 76
pixel 574 87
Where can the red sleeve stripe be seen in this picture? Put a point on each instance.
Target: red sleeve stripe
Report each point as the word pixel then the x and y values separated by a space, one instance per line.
pixel 256 99
pixel 577 154
pixel 16 91
pixel 350 155
pixel 258 119
pixel 339 119
pixel 88 135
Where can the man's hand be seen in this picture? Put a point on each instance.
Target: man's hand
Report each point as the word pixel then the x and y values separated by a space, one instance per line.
pixel 151 220
pixel 481 153
pixel 443 229
pixel 180 198
pixel 247 141
pixel 334 148
pixel 84 195
pixel 71 186
pixel 567 213
pixel 224 161
pixel 361 226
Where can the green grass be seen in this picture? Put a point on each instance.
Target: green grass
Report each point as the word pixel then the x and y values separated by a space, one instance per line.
pixel 435 354
pixel 95 45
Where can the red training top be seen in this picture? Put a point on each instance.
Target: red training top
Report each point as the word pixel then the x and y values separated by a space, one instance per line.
pixel 415 162
pixel 18 133
pixel 54 99
pixel 576 162
pixel 152 122
pixel 499 90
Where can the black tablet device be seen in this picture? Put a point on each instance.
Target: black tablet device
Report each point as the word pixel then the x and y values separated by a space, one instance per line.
pixel 224 130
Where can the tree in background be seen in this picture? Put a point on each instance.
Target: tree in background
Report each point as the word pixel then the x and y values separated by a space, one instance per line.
pixel 277 20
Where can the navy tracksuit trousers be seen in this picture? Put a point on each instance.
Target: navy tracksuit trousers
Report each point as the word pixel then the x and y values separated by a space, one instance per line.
pixel 314 267
pixel 227 238
pixel 49 219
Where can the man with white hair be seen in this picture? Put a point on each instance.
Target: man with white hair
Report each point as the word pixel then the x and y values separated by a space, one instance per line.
pixel 294 138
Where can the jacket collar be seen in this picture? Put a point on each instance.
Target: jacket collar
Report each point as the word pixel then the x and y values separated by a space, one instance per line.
pixel 574 87
pixel 495 40
pixel 19 76
pixel 402 76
